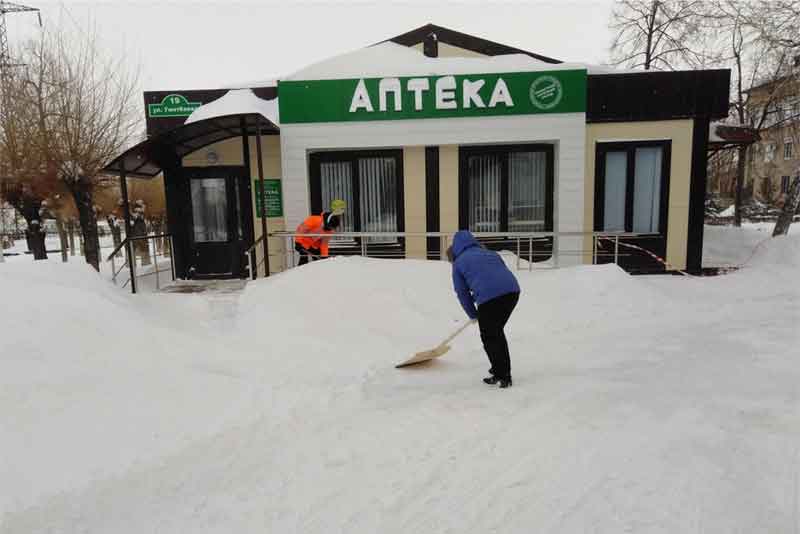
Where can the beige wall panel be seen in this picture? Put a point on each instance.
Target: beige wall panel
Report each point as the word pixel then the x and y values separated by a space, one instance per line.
pixel 271 158
pixel 680 133
pixel 448 189
pixel 229 152
pixel 414 200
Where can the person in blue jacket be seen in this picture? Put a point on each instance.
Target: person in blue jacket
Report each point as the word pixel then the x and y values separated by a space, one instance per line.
pixel 488 292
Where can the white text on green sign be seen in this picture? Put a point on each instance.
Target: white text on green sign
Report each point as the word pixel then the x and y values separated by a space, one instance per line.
pixel 173 106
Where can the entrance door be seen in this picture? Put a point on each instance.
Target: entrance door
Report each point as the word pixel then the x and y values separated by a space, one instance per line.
pixel 631 194
pixel 218 235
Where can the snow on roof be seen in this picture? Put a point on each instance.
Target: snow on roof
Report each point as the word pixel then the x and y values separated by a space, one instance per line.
pixel 237 102
pixel 391 59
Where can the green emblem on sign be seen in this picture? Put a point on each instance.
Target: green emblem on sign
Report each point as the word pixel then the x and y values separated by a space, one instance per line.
pixel 173 106
pixel 273 197
pixel 546 92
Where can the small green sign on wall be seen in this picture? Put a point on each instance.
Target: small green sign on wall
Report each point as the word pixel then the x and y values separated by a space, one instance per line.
pixel 274 198
pixel 173 106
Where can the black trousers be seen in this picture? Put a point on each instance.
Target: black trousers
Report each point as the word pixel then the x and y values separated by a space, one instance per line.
pixel 306 254
pixel 492 318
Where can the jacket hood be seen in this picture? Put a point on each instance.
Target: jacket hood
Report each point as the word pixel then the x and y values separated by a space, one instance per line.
pixel 462 241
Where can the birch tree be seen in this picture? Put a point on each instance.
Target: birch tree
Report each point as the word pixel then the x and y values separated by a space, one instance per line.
pixel 657 34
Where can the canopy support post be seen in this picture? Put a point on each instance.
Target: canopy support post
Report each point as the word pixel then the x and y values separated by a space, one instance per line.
pixel 263 194
pixel 126 210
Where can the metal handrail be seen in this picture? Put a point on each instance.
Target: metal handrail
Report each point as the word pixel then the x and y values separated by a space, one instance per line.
pixel 511 234
pixel 135 238
pixel 130 260
pixel 490 237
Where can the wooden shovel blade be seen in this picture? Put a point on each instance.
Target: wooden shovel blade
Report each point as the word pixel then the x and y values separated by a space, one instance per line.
pixel 424 356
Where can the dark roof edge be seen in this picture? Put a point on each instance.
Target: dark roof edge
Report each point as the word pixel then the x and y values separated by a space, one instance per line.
pixel 464 40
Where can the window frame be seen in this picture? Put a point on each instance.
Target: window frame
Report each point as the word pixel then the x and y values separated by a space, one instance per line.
pixel 315 160
pixel 786 182
pixel 788 148
pixel 629 147
pixel 465 151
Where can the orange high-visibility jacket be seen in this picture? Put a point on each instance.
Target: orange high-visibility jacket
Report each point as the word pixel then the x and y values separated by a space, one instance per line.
pixel 313 224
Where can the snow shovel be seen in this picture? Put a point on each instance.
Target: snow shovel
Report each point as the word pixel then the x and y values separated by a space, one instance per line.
pixel 426 355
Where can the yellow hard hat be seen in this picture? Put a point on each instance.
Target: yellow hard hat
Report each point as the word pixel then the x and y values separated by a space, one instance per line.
pixel 338 206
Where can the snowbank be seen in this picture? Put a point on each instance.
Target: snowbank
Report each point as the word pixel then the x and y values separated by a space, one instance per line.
pixel 645 404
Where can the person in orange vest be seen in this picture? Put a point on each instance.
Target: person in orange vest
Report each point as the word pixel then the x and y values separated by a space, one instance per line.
pixel 315 247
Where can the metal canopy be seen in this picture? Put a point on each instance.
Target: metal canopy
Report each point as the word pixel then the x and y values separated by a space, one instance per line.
pixel 146 159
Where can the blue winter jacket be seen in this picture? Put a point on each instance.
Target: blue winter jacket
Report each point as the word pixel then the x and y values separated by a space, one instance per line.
pixel 479 275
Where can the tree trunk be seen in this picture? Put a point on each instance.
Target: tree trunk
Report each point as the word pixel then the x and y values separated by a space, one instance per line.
pixel 62 237
pixel 789 209
pixel 740 168
pixel 36 243
pixel 71 228
pixel 34 233
pixel 82 194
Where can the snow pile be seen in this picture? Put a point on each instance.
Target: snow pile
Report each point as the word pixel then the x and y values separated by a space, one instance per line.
pixel 644 404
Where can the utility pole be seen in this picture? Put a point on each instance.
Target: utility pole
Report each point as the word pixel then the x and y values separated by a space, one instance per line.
pixel 6 67
pixel 5 56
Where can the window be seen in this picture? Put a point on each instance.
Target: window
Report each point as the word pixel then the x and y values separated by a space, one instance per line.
pixel 769 152
pixel 506 188
pixel 632 187
pixel 788 149
pixel 370 182
pixel 210 210
pixel 784 184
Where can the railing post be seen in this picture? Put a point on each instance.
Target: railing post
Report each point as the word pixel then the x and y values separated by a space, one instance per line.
pixel 616 250
pixel 113 270
pixel 131 265
pixel 530 253
pixel 519 252
pixel 595 237
pixel 171 258
pixel 363 247
pixel 155 258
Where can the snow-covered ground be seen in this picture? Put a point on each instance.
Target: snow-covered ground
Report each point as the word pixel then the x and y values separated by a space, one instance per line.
pixel 640 404
pixel 726 246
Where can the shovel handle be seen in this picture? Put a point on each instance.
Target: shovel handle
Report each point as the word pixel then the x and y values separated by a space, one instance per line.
pixel 454 334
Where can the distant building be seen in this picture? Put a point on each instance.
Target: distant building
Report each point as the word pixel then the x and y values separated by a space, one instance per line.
pixel 775 160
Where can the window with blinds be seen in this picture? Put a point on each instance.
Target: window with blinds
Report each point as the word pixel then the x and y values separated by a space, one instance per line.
pixel 507 188
pixel 370 185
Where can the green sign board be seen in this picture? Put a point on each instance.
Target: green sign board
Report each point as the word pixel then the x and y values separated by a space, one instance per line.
pixel 172 106
pixel 274 198
pixel 433 97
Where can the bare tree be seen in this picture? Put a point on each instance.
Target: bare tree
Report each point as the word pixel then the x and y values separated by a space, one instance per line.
pixel 756 63
pixel 85 115
pixel 26 179
pixel 657 34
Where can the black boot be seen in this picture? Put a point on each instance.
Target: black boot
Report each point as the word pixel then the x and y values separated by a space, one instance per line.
pixel 491 380
pixel 505 382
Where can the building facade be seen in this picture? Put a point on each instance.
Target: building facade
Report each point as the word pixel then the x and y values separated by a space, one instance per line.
pixel 436 131
pixel 775 160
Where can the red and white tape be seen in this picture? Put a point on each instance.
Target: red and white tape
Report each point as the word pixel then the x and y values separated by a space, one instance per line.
pixel 654 256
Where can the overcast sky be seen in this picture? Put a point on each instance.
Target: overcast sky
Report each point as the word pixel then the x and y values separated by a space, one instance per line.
pixel 196 45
